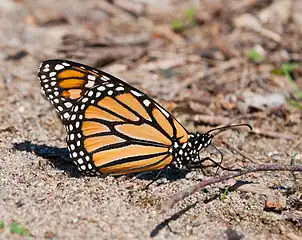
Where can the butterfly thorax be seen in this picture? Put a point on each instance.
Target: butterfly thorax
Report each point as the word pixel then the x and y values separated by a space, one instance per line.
pixel 187 153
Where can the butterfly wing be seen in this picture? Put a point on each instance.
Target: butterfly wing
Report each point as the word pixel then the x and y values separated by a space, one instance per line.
pixel 112 127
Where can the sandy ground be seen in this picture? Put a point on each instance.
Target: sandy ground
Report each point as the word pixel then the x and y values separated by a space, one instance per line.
pixel 42 191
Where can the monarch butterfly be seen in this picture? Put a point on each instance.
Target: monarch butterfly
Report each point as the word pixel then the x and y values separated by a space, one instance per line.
pixel 112 127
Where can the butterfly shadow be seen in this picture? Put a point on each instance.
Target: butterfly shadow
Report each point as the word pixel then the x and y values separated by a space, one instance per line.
pixel 58 157
pixel 161 176
pixel 167 221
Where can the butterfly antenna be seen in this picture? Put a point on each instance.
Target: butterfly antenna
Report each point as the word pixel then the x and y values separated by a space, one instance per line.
pixel 221 129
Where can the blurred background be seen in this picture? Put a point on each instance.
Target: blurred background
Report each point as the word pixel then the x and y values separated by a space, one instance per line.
pixel 209 62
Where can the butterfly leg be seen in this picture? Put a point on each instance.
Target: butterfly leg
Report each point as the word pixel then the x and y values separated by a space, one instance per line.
pixel 156 177
pixel 198 165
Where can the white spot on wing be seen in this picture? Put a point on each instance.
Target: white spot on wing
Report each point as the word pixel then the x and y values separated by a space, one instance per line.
pixel 66 115
pixel 68 104
pixel 146 102
pixel 51 74
pixel 89 84
pixel 101 88
pixel 59 67
pixel 135 93
pixel 119 89
pixel 91 77
pixel 104 78
pixel 163 111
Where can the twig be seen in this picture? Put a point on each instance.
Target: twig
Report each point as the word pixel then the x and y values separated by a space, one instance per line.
pixel 272 134
pixel 165 31
pixel 115 11
pixel 134 7
pixel 210 120
pixel 197 187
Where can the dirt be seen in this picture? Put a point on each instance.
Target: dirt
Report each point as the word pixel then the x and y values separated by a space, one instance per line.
pixel 200 60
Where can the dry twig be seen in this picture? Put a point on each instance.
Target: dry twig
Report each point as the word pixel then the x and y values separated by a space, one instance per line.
pixel 197 187
pixel 272 134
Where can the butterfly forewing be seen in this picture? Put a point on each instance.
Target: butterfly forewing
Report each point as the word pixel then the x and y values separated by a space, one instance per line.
pixel 112 127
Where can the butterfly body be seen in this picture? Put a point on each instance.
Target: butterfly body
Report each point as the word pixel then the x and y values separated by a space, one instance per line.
pixel 112 127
